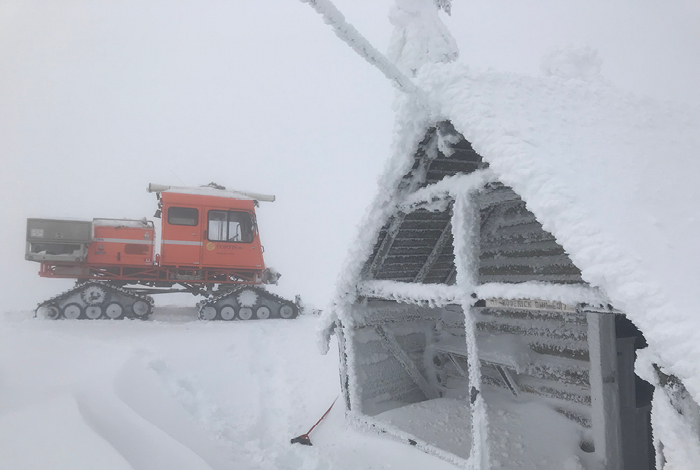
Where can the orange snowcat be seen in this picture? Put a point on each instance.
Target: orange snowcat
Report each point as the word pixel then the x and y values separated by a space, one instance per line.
pixel 209 246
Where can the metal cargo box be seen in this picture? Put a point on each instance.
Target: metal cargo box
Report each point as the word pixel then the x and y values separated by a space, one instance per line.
pixel 58 240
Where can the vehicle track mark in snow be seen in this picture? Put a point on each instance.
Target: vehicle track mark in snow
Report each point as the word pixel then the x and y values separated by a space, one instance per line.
pixel 140 388
pixel 180 395
pixel 273 364
pixel 140 442
pixel 52 434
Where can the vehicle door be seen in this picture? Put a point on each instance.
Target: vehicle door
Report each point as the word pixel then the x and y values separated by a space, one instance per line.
pixel 181 241
pixel 231 239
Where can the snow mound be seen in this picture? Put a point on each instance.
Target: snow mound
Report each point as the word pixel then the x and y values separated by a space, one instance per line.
pixel 177 393
pixel 53 434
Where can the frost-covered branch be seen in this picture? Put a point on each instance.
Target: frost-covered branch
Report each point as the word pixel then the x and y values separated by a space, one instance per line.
pixel 345 31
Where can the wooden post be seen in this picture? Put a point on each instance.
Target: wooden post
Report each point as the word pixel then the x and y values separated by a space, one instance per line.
pixel 605 394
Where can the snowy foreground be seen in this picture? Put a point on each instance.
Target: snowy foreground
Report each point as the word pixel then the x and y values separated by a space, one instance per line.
pixel 176 393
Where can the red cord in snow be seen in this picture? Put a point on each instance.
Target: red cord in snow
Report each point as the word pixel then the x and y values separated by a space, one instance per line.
pixel 304 438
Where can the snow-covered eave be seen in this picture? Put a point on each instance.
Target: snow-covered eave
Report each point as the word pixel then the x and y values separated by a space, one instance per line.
pixel 412 120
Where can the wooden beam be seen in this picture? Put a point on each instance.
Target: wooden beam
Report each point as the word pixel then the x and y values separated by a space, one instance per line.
pixel 385 247
pixel 438 248
pixel 408 365
pixel 497 196
pixel 605 395
pixel 450 279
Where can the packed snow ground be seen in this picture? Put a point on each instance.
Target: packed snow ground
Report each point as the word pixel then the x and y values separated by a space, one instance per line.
pixel 177 393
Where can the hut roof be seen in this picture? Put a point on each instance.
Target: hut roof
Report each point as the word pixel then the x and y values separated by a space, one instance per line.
pixel 611 175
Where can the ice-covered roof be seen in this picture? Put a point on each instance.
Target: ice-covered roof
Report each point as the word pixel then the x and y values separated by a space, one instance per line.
pixel 611 175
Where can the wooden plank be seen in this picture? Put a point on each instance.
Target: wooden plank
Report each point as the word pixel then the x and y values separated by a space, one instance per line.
pixel 528 269
pixel 383 250
pixel 445 236
pixel 531 250
pixel 492 197
pixel 487 313
pixel 450 279
pixel 513 279
pixel 534 331
pixel 535 261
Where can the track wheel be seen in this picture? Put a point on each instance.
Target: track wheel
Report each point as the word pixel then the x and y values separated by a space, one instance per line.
pixel 262 313
pixel 227 313
pixel 94 295
pixel 93 312
pixel 245 313
pixel 207 313
pixel 287 311
pixel 141 308
pixel 72 311
pixel 247 298
pixel 48 311
pixel 114 311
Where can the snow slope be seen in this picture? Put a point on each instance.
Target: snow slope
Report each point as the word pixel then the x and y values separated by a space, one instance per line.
pixel 176 393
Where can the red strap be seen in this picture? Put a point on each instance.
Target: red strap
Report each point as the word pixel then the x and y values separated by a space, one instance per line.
pixel 324 415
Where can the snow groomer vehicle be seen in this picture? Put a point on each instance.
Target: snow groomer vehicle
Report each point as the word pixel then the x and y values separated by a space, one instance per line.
pixel 209 246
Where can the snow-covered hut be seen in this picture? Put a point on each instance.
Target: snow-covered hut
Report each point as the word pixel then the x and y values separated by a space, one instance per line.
pixel 523 292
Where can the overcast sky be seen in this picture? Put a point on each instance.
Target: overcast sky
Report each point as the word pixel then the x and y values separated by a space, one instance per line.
pixel 99 98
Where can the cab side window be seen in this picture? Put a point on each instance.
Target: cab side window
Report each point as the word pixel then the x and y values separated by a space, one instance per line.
pixel 230 226
pixel 183 216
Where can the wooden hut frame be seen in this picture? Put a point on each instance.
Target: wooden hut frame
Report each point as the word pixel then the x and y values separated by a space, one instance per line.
pixel 460 241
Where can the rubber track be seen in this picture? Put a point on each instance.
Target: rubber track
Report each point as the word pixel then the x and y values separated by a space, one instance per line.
pixel 259 290
pixel 69 292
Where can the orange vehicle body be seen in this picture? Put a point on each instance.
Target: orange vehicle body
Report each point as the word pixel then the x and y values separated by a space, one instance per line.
pixel 204 244
pixel 119 244
pixel 206 239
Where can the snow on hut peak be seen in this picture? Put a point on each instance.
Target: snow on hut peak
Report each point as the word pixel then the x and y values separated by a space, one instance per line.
pixel 420 37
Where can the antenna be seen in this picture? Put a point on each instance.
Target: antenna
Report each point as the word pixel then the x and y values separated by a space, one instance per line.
pixel 345 31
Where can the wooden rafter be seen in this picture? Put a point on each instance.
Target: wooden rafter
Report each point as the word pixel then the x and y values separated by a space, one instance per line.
pixel 435 253
pixel 408 365
pixel 385 247
pixel 452 276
